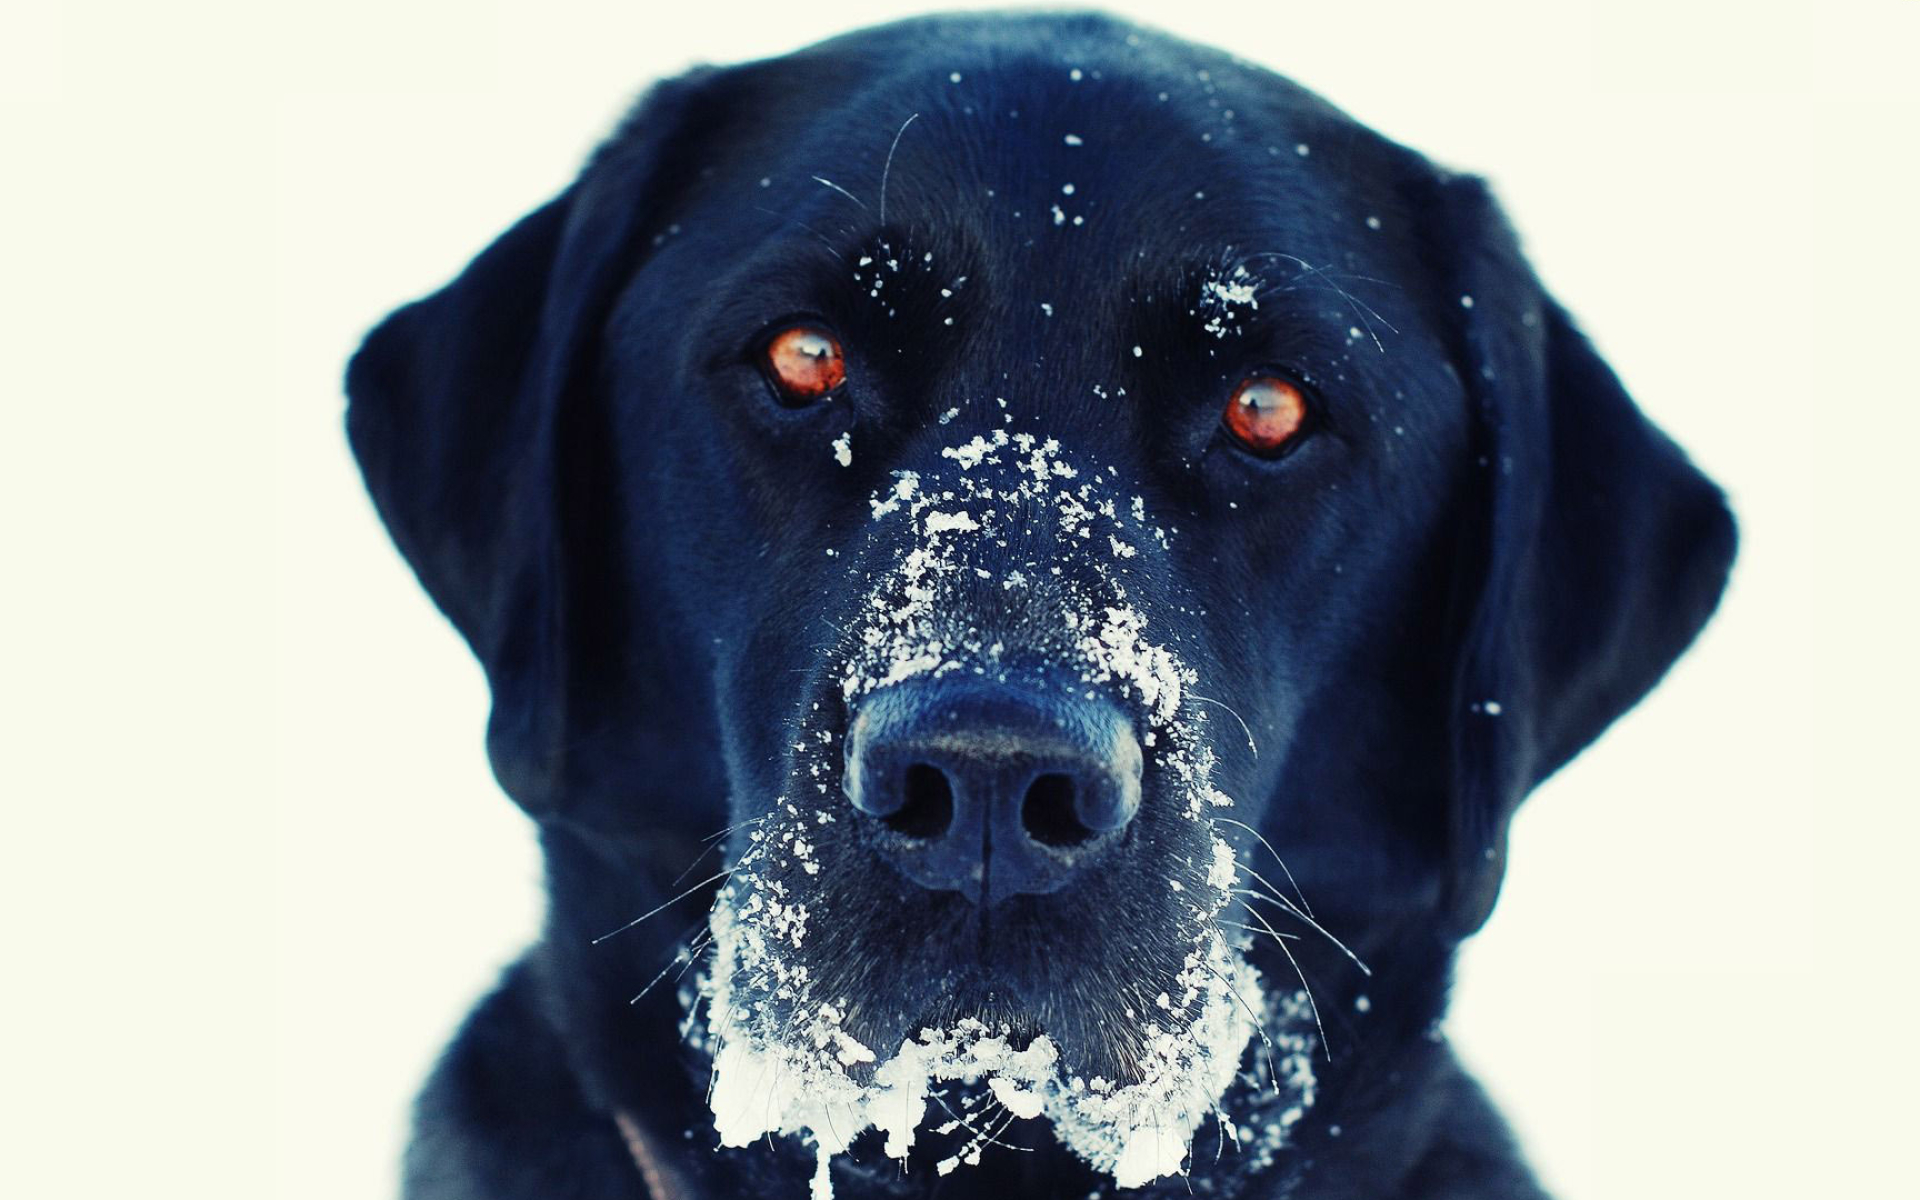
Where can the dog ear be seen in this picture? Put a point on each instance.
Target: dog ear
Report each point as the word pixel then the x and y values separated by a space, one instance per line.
pixel 1596 552
pixel 465 407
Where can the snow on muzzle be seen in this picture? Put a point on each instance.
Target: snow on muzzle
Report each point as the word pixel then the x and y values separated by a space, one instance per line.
pixel 992 598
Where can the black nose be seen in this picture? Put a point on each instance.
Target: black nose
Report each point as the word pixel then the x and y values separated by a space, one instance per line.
pixel 989 789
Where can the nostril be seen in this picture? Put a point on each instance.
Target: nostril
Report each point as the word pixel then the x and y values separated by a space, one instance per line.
pixel 1048 812
pixel 929 803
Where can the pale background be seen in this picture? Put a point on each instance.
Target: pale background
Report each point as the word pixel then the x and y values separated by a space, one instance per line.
pixel 253 869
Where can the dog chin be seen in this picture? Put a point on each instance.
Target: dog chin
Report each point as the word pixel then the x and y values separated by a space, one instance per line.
pixel 817 1081
pixel 1214 1042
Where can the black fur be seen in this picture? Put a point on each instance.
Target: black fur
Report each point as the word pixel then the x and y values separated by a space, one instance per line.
pixel 571 445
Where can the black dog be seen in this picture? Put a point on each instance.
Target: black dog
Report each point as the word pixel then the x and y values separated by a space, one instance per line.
pixel 1024 566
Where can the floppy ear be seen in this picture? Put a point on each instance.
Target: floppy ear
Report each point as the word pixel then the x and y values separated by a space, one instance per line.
pixel 1599 553
pixel 465 411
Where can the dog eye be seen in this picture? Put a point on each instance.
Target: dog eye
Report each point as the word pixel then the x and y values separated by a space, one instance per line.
pixel 1266 413
pixel 804 363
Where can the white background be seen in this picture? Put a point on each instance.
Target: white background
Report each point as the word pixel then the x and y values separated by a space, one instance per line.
pixel 253 869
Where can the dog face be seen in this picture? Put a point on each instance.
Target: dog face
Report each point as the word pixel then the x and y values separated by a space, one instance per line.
pixel 1110 540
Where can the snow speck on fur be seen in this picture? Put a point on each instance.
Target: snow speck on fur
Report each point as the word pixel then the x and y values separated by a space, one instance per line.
pixel 1223 300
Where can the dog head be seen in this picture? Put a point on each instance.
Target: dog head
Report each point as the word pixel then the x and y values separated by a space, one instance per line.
pixel 1109 539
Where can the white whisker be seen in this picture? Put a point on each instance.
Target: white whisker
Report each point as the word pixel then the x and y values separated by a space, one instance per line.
pixel 1236 716
pixel 1306 987
pixel 1289 906
pixel 1276 857
pixel 836 187
pixel 888 169
pixel 655 911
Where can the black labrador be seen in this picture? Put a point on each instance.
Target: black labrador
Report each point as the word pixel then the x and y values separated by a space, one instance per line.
pixel 1024 567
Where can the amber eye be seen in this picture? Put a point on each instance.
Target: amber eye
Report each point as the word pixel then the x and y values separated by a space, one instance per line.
pixel 804 362
pixel 1266 413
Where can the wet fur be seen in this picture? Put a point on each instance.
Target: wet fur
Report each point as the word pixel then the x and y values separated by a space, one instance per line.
pixel 565 445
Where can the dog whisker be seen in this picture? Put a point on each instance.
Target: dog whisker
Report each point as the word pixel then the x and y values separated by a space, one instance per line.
pixel 1344 295
pixel 655 911
pixel 736 826
pixel 1291 937
pixel 1219 1117
pixel 1276 894
pixel 694 953
pixel 684 954
pixel 1228 1130
pixel 939 1097
pixel 1006 1124
pixel 826 1112
pixel 887 170
pixel 1325 1047
pixel 1259 1024
pixel 844 192
pixel 1293 909
pixel 693 1007
pixel 772 1093
pixel 824 239
pixel 699 858
pixel 1235 715
pixel 1276 857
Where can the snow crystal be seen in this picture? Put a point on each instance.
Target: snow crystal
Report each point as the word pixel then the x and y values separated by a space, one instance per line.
pixel 939 522
pixel 843 449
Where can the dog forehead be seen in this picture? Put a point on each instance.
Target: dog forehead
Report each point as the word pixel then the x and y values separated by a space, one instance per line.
pixel 1076 154
pixel 1135 160
pixel 1071 187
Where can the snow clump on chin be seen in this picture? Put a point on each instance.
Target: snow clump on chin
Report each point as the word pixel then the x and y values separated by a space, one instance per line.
pixel 783 1063
pixel 800 1085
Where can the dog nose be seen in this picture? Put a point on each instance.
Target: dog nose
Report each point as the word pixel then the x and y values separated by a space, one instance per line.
pixel 992 790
